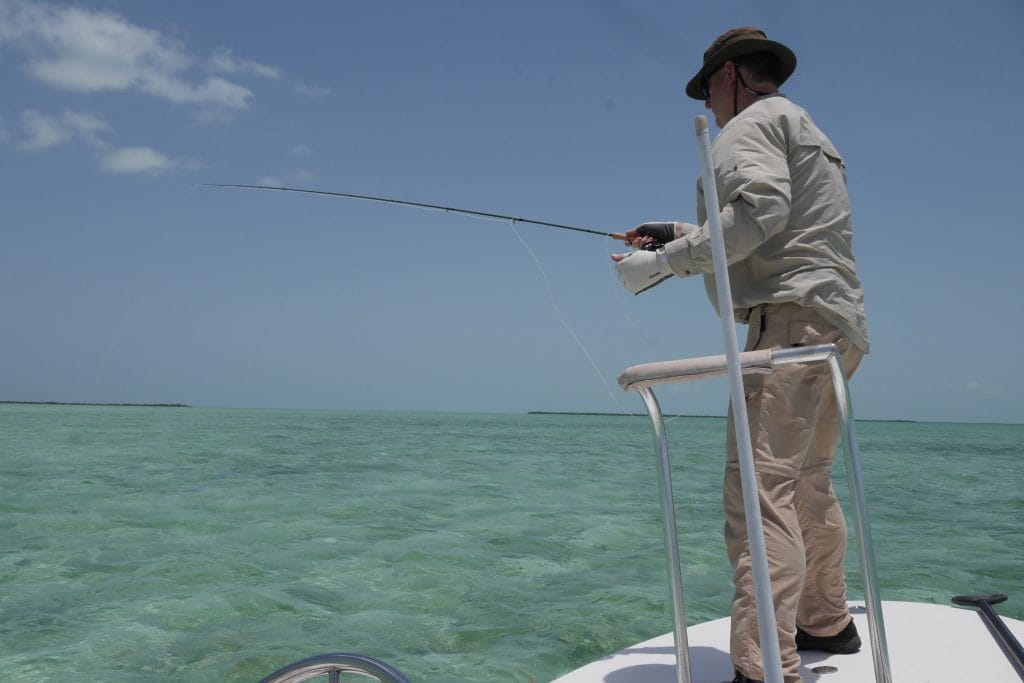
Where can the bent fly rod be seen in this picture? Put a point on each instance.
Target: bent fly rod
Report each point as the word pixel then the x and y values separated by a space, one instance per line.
pixel 434 207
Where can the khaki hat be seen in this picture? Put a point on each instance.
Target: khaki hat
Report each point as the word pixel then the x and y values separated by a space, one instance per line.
pixel 736 43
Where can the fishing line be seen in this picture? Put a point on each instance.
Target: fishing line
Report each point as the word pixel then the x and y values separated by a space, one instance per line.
pixel 617 294
pixel 558 312
pixel 616 291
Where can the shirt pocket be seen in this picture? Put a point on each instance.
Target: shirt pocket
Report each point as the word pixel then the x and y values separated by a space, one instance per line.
pixel 811 136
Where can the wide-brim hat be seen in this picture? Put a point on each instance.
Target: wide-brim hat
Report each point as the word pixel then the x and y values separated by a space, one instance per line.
pixel 736 43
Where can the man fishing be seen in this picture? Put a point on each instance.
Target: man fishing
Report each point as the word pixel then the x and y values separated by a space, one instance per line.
pixel 786 222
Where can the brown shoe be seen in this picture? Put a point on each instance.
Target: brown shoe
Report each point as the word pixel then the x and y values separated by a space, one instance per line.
pixel 846 642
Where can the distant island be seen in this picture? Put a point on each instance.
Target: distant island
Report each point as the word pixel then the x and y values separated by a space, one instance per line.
pixel 72 403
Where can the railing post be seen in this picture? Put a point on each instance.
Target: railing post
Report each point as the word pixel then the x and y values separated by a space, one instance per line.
pixel 668 516
pixel 872 600
pixel 643 377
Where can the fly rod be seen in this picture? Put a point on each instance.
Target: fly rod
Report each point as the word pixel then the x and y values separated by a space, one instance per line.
pixel 435 207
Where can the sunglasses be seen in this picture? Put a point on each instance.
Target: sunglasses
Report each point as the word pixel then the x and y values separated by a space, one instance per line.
pixel 705 92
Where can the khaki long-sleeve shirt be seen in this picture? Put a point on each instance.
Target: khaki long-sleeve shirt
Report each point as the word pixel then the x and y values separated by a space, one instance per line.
pixel 786 219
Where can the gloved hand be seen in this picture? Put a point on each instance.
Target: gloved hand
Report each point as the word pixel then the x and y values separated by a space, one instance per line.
pixel 661 231
pixel 641 270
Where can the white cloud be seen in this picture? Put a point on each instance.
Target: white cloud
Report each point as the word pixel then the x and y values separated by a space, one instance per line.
pixel 300 151
pixel 43 131
pixel 216 92
pixel 289 179
pixel 978 388
pixel 137 160
pixel 312 91
pixel 87 126
pixel 224 61
pixel 83 50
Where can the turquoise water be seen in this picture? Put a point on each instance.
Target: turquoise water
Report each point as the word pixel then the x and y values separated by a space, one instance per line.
pixel 183 544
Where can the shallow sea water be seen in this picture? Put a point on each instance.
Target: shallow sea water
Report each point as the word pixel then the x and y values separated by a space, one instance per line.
pixel 185 544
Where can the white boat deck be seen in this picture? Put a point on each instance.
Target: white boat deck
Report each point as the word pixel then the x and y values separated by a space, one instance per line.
pixel 927 644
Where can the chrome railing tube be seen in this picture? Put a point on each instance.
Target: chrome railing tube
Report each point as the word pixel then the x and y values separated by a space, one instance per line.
pixel 872 600
pixel 803 354
pixel 643 378
pixel 668 516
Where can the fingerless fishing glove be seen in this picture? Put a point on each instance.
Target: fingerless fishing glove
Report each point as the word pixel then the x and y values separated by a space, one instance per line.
pixel 663 231
pixel 641 270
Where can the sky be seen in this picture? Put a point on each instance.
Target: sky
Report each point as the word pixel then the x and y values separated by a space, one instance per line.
pixel 124 279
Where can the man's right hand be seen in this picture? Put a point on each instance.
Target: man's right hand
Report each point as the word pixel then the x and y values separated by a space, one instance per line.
pixel 654 232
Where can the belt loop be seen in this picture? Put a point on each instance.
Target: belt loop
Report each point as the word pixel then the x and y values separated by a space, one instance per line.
pixel 755 328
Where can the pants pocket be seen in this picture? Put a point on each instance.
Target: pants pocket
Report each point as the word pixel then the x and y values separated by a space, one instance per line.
pixel 813 332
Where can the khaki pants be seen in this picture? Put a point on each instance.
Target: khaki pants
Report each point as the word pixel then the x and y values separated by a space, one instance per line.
pixel 794 425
